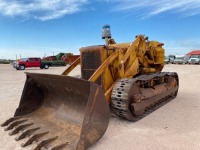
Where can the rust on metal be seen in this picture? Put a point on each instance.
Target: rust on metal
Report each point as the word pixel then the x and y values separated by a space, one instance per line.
pixel 9 121
pixel 19 127
pixel 26 133
pixel 43 143
pixel 144 92
pixel 64 113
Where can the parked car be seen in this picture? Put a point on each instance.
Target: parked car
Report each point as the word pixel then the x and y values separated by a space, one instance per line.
pixel 167 60
pixel 194 59
pixel 179 60
pixel 31 62
pixel 171 58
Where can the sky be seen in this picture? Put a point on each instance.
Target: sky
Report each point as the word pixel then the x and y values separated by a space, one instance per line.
pixel 43 27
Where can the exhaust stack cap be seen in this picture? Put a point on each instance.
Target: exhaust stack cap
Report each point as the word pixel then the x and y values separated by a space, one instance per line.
pixel 106 33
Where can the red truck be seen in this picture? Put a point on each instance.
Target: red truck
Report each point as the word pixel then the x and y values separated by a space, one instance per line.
pixel 31 62
pixel 69 58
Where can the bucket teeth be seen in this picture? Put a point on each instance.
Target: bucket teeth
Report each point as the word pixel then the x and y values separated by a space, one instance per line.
pixel 59 147
pixel 14 123
pixel 9 121
pixel 34 137
pixel 43 143
pixel 26 132
pixel 56 111
pixel 19 127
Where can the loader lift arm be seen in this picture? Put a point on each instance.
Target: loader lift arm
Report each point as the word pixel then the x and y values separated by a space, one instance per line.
pixel 137 47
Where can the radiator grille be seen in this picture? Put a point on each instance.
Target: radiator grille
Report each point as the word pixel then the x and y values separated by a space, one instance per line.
pixel 91 60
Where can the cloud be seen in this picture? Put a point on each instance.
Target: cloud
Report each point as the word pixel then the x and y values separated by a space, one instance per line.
pixel 40 9
pixel 181 46
pixel 51 9
pixel 149 8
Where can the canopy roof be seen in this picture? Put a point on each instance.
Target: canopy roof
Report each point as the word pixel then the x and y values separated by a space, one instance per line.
pixel 195 52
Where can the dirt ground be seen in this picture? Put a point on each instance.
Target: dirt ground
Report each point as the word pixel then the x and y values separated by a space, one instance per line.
pixel 174 126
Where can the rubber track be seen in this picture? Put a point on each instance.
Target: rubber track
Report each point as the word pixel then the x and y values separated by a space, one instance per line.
pixel 119 98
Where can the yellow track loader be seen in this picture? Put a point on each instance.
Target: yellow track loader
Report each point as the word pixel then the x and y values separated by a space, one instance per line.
pixel 62 112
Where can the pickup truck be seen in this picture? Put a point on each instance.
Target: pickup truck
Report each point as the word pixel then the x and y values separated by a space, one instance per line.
pixel 194 59
pixel 31 62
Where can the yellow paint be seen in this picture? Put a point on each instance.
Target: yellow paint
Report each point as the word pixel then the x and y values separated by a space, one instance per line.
pixel 125 60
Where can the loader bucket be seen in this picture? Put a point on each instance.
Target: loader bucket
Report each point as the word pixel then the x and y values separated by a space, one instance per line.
pixel 59 112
